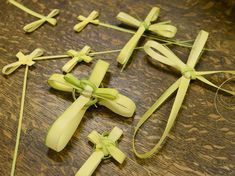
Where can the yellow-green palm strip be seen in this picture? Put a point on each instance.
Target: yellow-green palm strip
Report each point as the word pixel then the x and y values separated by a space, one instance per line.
pixel 105 147
pixel 166 56
pixel 64 127
pixel 42 19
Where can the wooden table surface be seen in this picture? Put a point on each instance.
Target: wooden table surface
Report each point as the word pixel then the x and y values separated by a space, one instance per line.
pixel 201 142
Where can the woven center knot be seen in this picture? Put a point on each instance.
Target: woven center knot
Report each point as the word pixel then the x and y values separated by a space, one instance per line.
pixel 50 17
pixel 89 19
pixel 88 87
pixel 50 20
pixel 145 25
pixel 26 60
pixel 188 73
pixel 78 56
pixel 84 87
pixel 104 144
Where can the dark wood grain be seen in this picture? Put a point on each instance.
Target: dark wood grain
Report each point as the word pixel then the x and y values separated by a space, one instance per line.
pixel 201 142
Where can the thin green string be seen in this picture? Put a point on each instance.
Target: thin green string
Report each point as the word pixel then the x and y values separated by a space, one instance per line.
pixel 110 51
pixel 224 104
pixel 20 121
pixel 90 54
pixel 100 52
pixel 51 57
pixel 180 43
pixel 183 43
